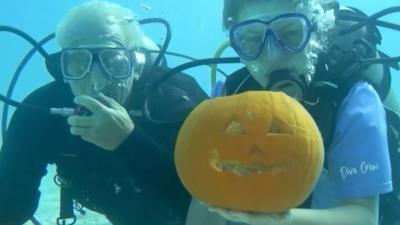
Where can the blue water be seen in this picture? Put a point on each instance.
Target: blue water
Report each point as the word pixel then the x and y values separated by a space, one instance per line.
pixel 196 26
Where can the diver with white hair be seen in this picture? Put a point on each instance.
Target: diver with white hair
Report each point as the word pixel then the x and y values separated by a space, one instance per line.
pixel 110 156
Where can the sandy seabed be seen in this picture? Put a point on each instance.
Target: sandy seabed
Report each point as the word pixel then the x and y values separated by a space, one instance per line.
pixel 49 205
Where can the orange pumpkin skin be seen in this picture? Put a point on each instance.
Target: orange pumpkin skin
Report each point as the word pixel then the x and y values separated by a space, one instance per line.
pixel 257 151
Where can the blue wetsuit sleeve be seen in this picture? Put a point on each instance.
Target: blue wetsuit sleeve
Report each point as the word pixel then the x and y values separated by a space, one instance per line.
pixel 358 161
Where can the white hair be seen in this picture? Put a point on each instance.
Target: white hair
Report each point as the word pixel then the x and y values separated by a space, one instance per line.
pixel 100 20
pixel 324 22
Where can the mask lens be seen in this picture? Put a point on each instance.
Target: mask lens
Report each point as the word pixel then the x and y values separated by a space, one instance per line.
pixel 248 39
pixel 291 31
pixel 75 63
pixel 116 62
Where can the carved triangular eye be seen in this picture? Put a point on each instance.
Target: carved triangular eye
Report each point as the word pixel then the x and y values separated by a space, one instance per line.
pixel 235 127
pixel 279 127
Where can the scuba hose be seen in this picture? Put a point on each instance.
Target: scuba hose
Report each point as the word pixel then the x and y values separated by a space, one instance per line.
pixel 214 68
pixel 373 19
pixel 166 41
pixel 151 88
pixel 37 46
pixel 192 59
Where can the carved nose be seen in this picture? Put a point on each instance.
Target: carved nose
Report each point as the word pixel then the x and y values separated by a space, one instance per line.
pixel 256 151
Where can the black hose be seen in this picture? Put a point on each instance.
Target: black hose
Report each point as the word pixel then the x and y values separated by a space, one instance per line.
pixel 370 19
pixel 19 104
pixel 180 68
pixel 166 41
pixel 14 80
pixel 35 221
pixel 27 38
pixel 385 60
pixel 189 58
pixel 151 88
pixel 359 18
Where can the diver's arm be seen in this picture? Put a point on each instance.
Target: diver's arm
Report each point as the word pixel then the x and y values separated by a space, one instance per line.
pixel 22 165
pixel 361 211
pixel 198 214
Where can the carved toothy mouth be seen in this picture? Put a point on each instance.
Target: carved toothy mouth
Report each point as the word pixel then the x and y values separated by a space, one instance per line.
pixel 255 167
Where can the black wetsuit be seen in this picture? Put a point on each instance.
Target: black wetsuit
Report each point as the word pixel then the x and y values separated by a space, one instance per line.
pixel 136 184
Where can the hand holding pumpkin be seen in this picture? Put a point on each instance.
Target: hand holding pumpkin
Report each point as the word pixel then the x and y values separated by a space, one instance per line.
pixel 253 218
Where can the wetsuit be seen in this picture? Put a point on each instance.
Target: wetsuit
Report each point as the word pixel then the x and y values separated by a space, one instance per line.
pixel 136 184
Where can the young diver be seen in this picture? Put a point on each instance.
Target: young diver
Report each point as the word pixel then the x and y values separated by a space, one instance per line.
pixel 281 44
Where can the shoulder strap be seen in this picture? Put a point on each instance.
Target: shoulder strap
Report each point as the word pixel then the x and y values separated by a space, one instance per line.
pixel 240 81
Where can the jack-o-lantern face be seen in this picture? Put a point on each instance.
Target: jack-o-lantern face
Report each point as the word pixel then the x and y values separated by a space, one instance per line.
pixel 258 151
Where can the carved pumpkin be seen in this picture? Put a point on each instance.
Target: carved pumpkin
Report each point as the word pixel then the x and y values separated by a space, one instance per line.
pixel 257 151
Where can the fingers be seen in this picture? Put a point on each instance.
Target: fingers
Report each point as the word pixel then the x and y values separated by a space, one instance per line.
pixel 85 133
pixel 244 217
pixel 285 216
pixel 204 204
pixel 217 210
pixel 87 139
pixel 90 103
pixel 80 121
pixel 79 131
pixel 109 101
pixel 225 213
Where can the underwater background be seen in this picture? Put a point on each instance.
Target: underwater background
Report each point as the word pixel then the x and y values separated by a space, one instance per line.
pixel 196 31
